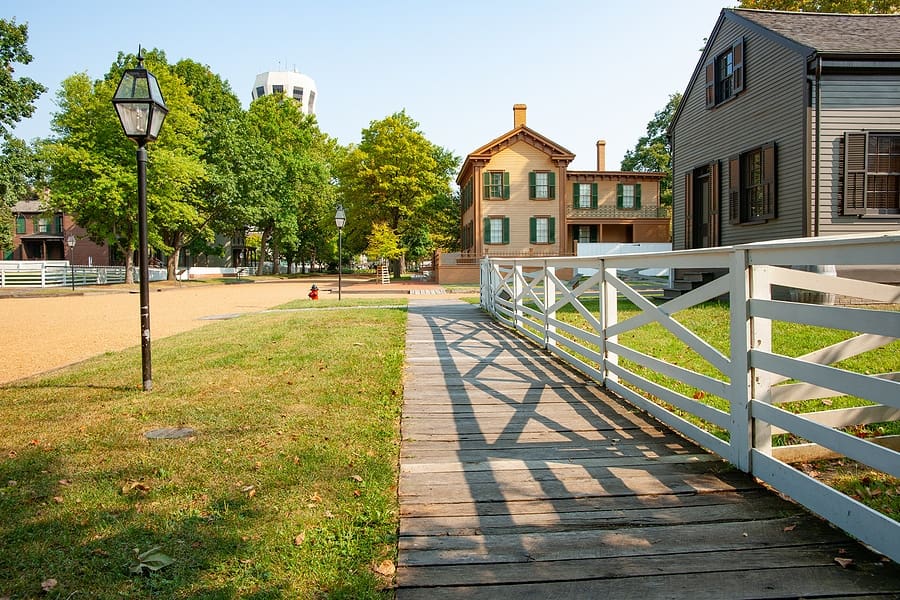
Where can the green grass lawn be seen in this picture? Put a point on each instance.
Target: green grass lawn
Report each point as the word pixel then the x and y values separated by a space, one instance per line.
pixel 288 490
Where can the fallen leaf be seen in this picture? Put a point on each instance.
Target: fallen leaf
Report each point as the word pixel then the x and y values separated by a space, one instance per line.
pixel 699 394
pixel 827 402
pixel 357 343
pixel 65 482
pixel 790 528
pixel 329 514
pixel 356 478
pixel 48 584
pixel 12 483
pixel 357 493
pixel 299 539
pixel 386 568
pixel 58 499
pixel 844 562
pixel 247 489
pixel 745 534
pixel 151 560
pixel 135 485
pixel 316 497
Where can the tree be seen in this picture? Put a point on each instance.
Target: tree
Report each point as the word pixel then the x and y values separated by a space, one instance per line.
pixel 652 151
pixel 826 6
pixel 93 171
pixel 17 97
pixel 383 242
pixel 392 176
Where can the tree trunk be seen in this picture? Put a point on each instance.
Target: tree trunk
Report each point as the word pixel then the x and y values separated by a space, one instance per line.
pixel 172 260
pixel 262 249
pixel 129 266
pixel 276 258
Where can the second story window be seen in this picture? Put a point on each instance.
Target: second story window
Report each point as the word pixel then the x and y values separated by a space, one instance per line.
pixel 496 185
pixel 584 195
pixel 725 74
pixel 298 94
pixel 20 224
pixel 628 196
pixel 541 185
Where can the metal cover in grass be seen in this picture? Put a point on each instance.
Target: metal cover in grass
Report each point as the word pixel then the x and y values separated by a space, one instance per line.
pixel 170 433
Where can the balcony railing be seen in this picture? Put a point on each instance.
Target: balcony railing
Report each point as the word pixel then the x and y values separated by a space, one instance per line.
pixel 612 212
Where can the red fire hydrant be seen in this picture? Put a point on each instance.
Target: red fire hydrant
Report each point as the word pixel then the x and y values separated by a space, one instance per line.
pixel 314 292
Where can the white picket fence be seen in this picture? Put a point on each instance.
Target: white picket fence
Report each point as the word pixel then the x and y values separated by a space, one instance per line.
pixel 526 294
pixel 47 274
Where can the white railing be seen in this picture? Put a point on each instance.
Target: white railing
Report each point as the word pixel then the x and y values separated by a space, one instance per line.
pixel 748 379
pixel 46 274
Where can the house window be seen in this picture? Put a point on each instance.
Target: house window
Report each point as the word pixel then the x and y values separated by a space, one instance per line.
pixel 584 195
pixel 277 89
pixel 20 224
pixel 586 234
pixel 260 92
pixel 43 225
pixel 58 224
pixel 542 185
pixel 725 74
pixel 628 196
pixel 542 230
pixel 871 173
pixel 312 103
pixel 751 187
pixel 298 94
pixel 496 185
pixel 496 230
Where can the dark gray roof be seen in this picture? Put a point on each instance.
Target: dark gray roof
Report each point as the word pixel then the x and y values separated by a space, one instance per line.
pixel 829 33
pixel 27 206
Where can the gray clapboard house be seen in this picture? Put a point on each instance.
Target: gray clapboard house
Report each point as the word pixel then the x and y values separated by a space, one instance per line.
pixel 789 127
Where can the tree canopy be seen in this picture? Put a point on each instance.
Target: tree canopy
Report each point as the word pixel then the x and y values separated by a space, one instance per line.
pixel 652 151
pixel 392 177
pixel 826 6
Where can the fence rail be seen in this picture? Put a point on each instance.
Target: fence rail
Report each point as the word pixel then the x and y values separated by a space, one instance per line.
pixel 48 274
pixel 753 381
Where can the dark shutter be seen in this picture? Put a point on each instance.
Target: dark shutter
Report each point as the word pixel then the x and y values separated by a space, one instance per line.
pixel 575 195
pixel 854 173
pixel 505 230
pixel 710 83
pixel 619 195
pixel 770 207
pixel 714 204
pixel 737 56
pixel 506 185
pixel 593 195
pixel 734 189
pixel 637 195
pixel 532 230
pixel 688 210
pixel 532 185
pixel 487 230
pixel 551 230
pixel 593 233
pixel 551 184
pixel 486 193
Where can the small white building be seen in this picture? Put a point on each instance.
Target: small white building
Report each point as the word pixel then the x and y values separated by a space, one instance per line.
pixel 292 84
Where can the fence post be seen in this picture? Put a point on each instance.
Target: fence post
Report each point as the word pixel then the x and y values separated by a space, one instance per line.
pixel 549 300
pixel 760 381
pixel 43 275
pixel 517 294
pixel 609 315
pixel 739 388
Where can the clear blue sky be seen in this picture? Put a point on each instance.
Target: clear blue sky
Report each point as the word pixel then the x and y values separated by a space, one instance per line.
pixel 586 69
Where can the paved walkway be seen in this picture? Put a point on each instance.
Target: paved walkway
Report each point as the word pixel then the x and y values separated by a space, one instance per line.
pixel 521 480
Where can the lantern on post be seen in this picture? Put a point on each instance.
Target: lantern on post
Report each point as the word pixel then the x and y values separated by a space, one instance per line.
pixel 141 109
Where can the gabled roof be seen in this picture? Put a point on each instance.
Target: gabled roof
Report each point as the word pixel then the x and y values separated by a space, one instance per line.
pixel 810 34
pixel 522 133
pixel 829 33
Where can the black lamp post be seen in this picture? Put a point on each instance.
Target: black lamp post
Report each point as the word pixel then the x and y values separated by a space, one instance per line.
pixel 71 243
pixel 340 217
pixel 142 110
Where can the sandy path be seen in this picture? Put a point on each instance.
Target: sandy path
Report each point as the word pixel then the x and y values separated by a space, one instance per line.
pixel 42 334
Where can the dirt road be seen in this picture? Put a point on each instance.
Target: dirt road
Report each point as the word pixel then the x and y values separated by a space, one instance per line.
pixel 40 334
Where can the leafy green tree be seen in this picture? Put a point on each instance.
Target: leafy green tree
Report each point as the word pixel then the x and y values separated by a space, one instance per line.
pixel 93 170
pixel 17 97
pixel 652 151
pixel 383 242
pixel 393 175
pixel 826 6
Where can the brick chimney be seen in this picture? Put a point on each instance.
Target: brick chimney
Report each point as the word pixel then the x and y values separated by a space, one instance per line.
pixel 601 155
pixel 519 115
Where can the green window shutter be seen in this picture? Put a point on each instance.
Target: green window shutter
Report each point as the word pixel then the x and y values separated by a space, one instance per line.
pixel 532 185
pixel 506 185
pixel 532 230
pixel 505 230
pixel 637 195
pixel 487 230
pixel 487 185
pixel 551 230
pixel 593 195
pixel 593 234
pixel 619 195
pixel 734 189
pixel 575 191
pixel 551 181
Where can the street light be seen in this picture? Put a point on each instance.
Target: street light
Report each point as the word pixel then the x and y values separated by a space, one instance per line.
pixel 71 242
pixel 340 217
pixel 142 110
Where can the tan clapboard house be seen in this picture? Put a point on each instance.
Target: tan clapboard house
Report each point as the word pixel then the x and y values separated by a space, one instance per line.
pixel 519 198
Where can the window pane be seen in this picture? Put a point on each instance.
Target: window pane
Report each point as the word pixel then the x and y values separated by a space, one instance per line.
pixel 628 196
pixel 277 89
pixel 584 195
pixel 541 188
pixel 541 230
pixel 496 231
pixel 496 186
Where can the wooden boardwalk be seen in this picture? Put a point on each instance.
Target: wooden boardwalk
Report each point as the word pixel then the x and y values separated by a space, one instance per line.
pixel 519 479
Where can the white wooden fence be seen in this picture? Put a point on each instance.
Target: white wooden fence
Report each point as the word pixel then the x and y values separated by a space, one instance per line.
pixel 45 274
pixel 526 294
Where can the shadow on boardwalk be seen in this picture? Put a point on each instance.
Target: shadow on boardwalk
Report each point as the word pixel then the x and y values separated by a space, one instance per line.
pixel 519 479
